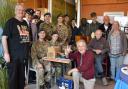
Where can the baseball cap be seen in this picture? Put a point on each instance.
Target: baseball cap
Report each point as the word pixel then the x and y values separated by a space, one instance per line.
pixel 30 11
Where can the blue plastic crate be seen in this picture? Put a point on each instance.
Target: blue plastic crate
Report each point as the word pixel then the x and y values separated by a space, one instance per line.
pixel 68 84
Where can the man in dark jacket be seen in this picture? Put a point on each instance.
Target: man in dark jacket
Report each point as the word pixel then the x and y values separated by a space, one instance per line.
pixel 75 32
pixel 100 46
pixel 106 26
pixel 85 66
pixel 95 24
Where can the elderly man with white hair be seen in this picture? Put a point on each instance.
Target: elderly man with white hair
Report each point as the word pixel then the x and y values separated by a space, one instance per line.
pixel 100 47
pixel 15 40
pixel 85 65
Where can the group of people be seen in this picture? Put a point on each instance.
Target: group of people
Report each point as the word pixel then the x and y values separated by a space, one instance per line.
pixel 26 37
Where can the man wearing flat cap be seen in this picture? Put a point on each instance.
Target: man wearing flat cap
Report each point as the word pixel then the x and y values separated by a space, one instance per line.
pixel 47 25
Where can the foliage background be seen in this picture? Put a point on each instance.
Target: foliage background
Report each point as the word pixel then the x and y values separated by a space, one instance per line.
pixel 6 10
pixel 62 7
pixel 3 74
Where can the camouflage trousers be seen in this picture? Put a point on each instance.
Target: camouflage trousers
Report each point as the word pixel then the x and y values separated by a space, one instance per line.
pixel 43 74
pixel 59 69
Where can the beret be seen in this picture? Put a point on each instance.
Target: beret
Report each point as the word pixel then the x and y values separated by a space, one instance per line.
pixel 41 30
pixel 47 14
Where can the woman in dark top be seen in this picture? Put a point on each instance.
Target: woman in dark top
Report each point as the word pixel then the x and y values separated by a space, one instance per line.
pixel 84 30
pixel 75 32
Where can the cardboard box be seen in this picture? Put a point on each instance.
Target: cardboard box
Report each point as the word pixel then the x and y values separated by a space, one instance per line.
pixel 53 52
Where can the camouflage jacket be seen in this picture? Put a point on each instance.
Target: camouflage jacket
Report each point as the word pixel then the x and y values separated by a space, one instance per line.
pixel 48 28
pixel 51 43
pixel 63 33
pixel 69 31
pixel 38 51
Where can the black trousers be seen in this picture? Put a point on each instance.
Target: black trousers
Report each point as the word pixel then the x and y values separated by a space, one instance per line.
pixel 16 75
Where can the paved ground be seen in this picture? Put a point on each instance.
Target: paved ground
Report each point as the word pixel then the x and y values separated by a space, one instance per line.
pixel 97 86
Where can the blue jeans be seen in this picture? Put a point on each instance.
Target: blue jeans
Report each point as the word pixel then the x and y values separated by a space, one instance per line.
pixel 98 64
pixel 116 62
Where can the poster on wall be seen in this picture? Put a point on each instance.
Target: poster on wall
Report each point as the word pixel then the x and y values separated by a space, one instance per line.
pixel 100 19
pixel 114 13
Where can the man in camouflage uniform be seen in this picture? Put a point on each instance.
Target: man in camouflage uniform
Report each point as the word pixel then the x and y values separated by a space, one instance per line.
pixel 55 42
pixel 62 30
pixel 63 33
pixel 68 25
pixel 43 68
pixel 47 25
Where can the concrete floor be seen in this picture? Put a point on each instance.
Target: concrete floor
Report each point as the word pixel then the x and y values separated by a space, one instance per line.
pixel 98 85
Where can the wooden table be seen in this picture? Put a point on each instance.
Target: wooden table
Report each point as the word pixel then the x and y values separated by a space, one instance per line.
pixel 59 60
pixel 62 61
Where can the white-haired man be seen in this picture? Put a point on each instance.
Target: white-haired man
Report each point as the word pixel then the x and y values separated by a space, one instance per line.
pixel 85 66
pixel 100 47
pixel 15 40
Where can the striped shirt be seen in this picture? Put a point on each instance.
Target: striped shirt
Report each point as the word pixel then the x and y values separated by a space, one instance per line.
pixel 115 43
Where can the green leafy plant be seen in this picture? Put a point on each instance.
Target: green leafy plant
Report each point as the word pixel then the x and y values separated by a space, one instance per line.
pixel 6 10
pixel 3 75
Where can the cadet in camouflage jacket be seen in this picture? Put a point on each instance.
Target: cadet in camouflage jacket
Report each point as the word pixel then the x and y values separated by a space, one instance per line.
pixel 38 51
pixel 62 30
pixel 47 25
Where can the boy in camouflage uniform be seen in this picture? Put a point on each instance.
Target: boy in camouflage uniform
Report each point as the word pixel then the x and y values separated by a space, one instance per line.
pixel 68 25
pixel 62 30
pixel 55 42
pixel 47 25
pixel 43 68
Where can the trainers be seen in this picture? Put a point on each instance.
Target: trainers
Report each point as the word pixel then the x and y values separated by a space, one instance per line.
pixel 104 81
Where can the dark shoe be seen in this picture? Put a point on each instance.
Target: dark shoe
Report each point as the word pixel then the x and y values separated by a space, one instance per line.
pixel 48 85
pixel 111 81
pixel 42 87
